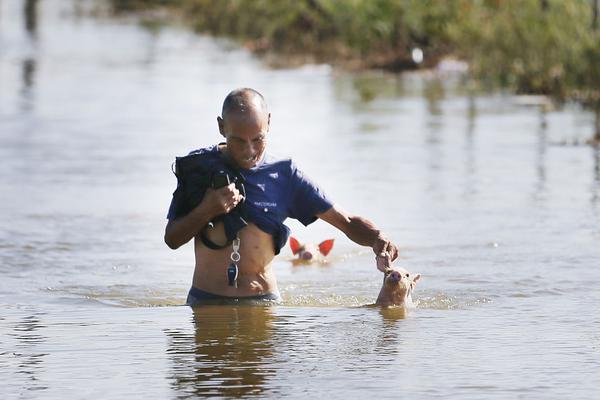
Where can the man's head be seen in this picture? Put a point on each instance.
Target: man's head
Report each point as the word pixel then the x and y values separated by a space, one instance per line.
pixel 244 123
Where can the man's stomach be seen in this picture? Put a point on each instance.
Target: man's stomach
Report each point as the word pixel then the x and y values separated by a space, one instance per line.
pixel 255 275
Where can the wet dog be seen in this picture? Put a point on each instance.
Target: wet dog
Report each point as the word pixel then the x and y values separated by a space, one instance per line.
pixel 397 287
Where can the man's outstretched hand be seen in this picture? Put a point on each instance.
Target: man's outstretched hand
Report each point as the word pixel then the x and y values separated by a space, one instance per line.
pixel 385 252
pixel 362 231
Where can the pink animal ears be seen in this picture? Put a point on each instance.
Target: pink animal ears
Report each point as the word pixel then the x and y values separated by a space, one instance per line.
pixel 325 246
pixel 294 245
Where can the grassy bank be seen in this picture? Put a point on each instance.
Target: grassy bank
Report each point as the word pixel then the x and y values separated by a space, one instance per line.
pixel 549 47
pixel 364 34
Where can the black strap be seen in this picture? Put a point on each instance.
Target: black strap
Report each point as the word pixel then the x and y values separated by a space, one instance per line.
pixel 209 243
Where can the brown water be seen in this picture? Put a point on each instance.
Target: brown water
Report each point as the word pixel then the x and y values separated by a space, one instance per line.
pixel 501 220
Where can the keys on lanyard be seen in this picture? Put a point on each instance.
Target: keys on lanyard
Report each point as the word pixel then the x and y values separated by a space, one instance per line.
pixel 232 274
pixel 233 270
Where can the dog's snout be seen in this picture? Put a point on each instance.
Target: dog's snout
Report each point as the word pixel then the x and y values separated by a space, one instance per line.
pixel 307 255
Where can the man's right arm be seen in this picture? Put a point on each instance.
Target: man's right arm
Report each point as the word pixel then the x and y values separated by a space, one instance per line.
pixel 181 230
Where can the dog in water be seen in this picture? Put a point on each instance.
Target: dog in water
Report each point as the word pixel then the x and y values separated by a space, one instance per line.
pixel 306 252
pixel 398 285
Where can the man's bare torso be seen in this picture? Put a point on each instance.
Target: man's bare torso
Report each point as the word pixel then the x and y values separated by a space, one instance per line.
pixel 255 277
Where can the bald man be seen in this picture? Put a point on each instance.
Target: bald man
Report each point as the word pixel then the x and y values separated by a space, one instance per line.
pixel 233 198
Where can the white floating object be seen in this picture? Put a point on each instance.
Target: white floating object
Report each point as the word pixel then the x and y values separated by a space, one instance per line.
pixel 417 55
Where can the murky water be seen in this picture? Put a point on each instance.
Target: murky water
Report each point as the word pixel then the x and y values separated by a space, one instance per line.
pixel 501 220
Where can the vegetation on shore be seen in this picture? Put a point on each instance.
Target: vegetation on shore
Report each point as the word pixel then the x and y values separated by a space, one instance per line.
pixel 549 47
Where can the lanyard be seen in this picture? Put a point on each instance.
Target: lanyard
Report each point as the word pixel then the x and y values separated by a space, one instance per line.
pixel 232 270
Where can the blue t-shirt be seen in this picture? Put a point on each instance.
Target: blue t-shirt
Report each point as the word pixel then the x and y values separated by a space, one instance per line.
pixel 275 190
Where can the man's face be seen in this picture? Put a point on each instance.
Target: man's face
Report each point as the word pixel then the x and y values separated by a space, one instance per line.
pixel 246 136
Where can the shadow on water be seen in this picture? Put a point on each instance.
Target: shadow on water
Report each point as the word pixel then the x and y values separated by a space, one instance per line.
pixel 226 355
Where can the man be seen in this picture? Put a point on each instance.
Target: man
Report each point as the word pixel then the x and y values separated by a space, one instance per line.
pixel 236 234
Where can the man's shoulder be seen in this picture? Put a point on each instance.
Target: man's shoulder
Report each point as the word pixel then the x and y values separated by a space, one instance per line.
pixel 210 150
pixel 277 163
pixel 272 159
pixel 196 159
pixel 204 153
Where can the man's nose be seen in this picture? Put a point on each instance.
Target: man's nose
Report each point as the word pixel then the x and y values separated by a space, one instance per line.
pixel 248 145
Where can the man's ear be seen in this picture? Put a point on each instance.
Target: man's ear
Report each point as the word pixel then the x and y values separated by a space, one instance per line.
pixel 221 124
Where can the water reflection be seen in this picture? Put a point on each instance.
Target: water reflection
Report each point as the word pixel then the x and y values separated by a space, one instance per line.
pixel 28 361
pixel 389 331
pixel 227 354
pixel 596 182
pixel 29 63
pixel 30 16
pixel 371 86
pixel 542 133
pixel 28 73
pixel 433 93
pixel 470 160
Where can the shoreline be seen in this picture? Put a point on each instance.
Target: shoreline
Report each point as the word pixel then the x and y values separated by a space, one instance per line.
pixel 505 46
pixel 284 53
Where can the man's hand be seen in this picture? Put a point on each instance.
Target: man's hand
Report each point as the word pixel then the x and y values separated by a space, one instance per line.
pixel 363 232
pixel 215 202
pixel 385 252
pixel 223 200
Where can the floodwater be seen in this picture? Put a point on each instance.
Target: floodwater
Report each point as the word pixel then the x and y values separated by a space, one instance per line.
pixel 478 189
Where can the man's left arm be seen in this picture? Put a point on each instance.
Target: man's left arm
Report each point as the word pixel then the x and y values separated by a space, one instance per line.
pixel 362 231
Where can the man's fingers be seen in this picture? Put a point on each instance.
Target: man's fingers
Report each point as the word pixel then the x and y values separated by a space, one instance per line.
pixel 229 193
pixel 387 254
pixel 229 203
pixel 229 190
pixel 392 251
pixel 383 262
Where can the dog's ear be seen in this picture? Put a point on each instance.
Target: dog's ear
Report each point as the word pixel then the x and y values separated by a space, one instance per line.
pixel 294 245
pixel 325 246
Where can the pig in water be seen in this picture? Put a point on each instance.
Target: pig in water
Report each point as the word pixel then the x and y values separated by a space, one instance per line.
pixel 398 285
pixel 309 252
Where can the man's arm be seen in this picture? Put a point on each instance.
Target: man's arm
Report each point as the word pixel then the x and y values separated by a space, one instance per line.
pixel 215 202
pixel 361 231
